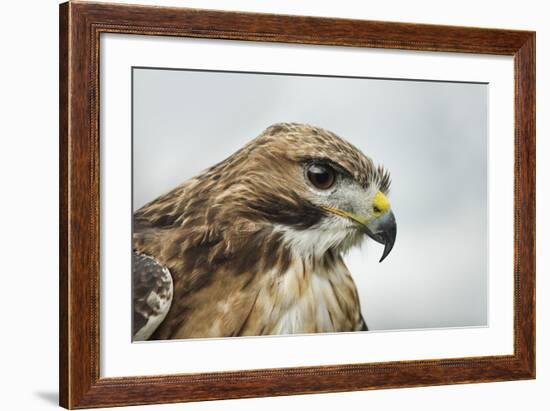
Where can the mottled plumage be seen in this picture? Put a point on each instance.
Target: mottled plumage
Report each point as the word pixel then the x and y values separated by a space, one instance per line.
pixel 152 295
pixel 254 248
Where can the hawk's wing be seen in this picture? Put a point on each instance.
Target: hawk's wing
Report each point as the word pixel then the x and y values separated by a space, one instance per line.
pixel 152 291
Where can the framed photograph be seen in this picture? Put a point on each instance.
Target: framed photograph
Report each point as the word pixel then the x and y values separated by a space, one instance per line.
pixel 259 205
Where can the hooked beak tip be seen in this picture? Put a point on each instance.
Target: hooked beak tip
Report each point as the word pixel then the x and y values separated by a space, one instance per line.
pixel 387 249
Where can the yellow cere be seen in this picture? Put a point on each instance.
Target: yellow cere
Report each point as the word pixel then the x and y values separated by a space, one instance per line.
pixel 380 203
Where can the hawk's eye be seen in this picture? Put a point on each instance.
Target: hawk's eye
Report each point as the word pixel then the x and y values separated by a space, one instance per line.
pixel 321 176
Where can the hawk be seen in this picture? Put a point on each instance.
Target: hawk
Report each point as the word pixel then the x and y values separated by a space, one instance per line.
pixel 254 244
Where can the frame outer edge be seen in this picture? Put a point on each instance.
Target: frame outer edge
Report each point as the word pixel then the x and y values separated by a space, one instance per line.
pixel 525 66
pixel 64 352
pixel 80 382
pixel 79 227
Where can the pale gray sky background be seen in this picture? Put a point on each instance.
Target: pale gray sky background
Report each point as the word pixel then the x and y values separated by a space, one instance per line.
pixel 432 136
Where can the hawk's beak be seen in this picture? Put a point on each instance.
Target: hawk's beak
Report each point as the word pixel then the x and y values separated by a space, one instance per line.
pixel 383 229
pixel 381 226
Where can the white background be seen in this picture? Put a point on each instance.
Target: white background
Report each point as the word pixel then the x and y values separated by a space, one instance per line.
pixel 28 162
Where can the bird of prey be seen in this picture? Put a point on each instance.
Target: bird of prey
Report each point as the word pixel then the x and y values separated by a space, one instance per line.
pixel 254 244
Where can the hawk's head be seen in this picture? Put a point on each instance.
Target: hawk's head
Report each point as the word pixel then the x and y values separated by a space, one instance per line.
pixel 319 191
pixel 295 188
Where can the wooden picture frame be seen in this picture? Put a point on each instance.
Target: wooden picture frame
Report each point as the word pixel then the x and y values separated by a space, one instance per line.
pixel 80 27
